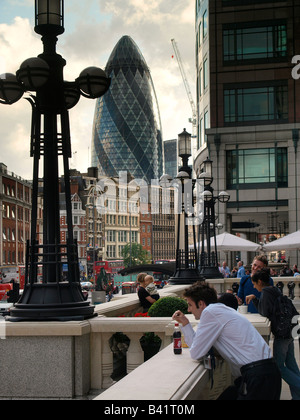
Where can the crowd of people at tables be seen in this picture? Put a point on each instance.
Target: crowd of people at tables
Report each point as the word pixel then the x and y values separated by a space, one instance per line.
pixel 239 271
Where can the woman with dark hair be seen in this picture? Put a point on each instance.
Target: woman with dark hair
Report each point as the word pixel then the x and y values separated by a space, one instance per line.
pixel 146 299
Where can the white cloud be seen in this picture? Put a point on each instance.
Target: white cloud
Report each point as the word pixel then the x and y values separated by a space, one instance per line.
pixel 17 43
pixel 89 41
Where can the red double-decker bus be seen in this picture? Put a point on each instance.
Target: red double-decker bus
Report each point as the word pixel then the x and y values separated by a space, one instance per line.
pixel 111 267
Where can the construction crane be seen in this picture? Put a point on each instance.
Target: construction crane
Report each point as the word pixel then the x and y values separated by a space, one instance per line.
pixel 192 120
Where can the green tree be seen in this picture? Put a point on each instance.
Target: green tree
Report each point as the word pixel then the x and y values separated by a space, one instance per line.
pixel 134 254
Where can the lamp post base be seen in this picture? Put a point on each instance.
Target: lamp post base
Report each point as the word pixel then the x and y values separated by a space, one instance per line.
pixel 186 276
pixel 51 302
pixel 211 272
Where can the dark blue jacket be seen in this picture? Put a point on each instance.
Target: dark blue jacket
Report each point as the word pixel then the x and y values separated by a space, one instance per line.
pixel 246 288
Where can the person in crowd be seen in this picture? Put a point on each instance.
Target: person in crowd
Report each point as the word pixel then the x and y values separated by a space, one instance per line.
pixel 225 270
pixel 241 270
pixel 229 299
pixel 283 347
pixel 273 273
pixel 246 287
pixel 296 272
pixel 145 298
pixel 286 271
pixel 233 273
pixel 235 339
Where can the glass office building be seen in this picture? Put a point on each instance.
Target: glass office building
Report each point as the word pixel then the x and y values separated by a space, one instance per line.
pixel 249 113
pixel 127 131
pixel 171 157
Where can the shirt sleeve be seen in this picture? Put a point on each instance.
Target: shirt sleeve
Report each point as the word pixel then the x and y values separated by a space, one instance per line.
pixel 201 341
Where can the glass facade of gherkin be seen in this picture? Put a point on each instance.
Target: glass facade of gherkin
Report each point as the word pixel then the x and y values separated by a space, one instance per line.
pixel 127 132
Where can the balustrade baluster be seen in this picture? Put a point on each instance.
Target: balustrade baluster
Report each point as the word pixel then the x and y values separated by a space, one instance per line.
pixel 107 361
pixel 135 354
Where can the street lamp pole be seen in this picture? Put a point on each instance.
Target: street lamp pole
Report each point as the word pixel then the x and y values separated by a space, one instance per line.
pixel 209 258
pixel 186 259
pixel 50 138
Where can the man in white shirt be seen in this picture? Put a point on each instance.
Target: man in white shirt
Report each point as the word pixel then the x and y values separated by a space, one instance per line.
pixel 235 339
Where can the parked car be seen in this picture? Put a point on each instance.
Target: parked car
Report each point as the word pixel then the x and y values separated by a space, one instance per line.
pixel 86 285
pixel 5 308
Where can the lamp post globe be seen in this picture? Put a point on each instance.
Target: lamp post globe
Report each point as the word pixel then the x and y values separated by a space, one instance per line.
pixel 33 73
pixel 11 90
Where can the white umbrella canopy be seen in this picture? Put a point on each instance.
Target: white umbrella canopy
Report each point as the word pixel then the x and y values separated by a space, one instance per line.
pixel 228 242
pixel 291 241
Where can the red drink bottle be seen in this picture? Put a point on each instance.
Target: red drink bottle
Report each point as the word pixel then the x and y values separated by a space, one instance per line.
pixel 177 340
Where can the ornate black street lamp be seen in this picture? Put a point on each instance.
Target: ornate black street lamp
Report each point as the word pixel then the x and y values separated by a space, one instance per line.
pixel 209 267
pixel 50 138
pixel 186 258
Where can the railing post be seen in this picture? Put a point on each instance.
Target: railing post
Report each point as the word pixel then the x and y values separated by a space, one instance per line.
pixel 165 340
pixel 107 361
pixel 135 354
pixel 96 361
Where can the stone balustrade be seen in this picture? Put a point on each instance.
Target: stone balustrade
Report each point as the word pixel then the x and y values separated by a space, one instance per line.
pixel 134 328
pixel 69 359
pixel 101 331
pixel 227 284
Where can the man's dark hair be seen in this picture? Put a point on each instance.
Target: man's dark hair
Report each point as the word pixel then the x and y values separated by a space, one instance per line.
pixel 201 291
pixel 230 300
pixel 263 275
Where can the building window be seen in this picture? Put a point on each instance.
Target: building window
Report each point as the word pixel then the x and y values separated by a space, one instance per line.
pixel 250 167
pixel 260 103
pixel 205 74
pixel 205 24
pixel 111 251
pixel 206 124
pixel 134 236
pixel 111 236
pixel 199 34
pixel 249 42
pixel 201 133
pixel 200 83
pixel 122 234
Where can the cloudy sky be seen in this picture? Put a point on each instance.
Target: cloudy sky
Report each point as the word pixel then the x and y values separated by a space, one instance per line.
pixel 93 28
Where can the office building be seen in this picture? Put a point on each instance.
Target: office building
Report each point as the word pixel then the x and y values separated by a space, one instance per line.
pixel 248 113
pixel 127 131
pixel 171 157
pixel 15 201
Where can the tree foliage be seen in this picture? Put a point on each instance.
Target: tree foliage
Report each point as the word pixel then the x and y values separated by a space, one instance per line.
pixel 134 254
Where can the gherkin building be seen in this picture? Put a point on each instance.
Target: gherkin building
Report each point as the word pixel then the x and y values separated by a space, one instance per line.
pixel 127 132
